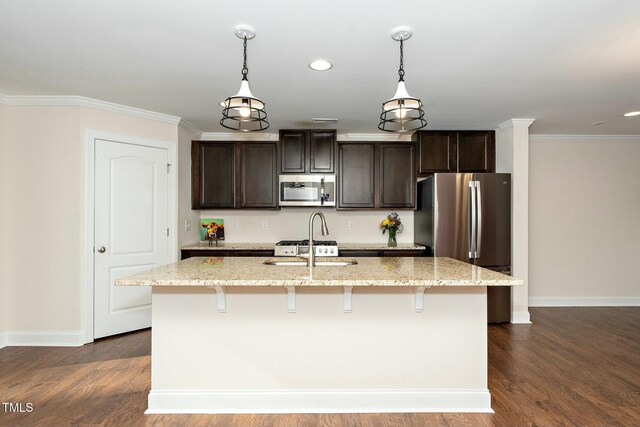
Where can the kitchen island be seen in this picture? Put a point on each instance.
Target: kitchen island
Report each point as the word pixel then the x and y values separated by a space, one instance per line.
pixel 233 335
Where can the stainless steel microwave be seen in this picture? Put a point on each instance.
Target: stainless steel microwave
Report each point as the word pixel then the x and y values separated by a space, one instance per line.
pixel 307 190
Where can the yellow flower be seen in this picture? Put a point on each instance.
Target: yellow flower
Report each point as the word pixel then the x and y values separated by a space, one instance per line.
pixel 385 222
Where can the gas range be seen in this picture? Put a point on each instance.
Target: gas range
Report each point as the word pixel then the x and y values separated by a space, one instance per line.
pixel 300 247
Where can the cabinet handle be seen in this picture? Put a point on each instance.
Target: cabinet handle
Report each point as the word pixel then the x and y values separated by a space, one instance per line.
pixel 101 249
pixel 479 209
pixel 472 219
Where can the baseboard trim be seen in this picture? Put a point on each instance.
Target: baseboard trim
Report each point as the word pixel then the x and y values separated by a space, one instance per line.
pixel 584 301
pixel 43 338
pixel 3 340
pixel 317 401
pixel 520 317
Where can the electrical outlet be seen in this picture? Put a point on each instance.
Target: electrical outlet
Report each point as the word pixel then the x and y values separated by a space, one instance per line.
pixel 265 224
pixel 187 226
pixel 349 225
pixel 235 226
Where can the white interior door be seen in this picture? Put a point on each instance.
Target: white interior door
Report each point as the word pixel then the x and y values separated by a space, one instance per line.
pixel 131 223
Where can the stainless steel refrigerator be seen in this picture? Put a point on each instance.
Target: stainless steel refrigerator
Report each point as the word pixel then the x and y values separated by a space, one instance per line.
pixel 467 216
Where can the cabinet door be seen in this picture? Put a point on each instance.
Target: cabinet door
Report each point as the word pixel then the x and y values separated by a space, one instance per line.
pixel 321 149
pixel 213 171
pixel 356 178
pixel 293 151
pixel 397 175
pixel 258 174
pixel 476 151
pixel 436 152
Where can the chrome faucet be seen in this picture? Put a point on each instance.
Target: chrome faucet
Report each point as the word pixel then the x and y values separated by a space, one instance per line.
pixel 311 256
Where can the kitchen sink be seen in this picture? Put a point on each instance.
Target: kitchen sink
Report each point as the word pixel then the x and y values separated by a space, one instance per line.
pixel 320 262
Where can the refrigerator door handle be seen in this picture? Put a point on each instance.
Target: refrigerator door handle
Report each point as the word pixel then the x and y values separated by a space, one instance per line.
pixel 479 219
pixel 472 219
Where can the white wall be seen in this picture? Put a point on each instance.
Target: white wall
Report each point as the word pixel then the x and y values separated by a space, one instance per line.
pixel 293 223
pixel 584 221
pixel 44 224
pixel 3 223
pixel 185 213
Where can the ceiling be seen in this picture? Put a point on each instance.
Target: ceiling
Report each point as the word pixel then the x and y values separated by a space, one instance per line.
pixel 474 64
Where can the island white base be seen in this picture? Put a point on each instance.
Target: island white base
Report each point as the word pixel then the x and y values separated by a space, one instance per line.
pixel 259 358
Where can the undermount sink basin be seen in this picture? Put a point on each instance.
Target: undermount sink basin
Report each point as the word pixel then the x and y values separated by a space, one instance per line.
pixel 320 261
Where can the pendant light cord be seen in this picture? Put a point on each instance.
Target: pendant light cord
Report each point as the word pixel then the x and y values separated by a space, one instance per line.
pixel 245 70
pixel 401 69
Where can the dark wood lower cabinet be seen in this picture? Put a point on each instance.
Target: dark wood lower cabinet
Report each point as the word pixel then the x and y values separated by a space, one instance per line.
pixel 190 253
pixel 382 253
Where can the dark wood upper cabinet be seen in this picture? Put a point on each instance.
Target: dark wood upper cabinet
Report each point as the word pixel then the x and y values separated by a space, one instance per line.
pixel 476 151
pixel 293 147
pixel 213 174
pixel 376 175
pixel 356 175
pixel 397 177
pixel 322 148
pixel 307 151
pixel 436 151
pixel 258 180
pixel 455 151
pixel 234 175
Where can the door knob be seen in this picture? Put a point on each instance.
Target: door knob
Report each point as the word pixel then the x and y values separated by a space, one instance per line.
pixel 101 249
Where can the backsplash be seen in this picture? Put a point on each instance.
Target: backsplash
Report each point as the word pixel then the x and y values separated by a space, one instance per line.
pixel 246 226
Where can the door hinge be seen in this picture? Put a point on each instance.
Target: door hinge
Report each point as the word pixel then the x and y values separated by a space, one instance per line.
pixel 167 232
pixel 168 167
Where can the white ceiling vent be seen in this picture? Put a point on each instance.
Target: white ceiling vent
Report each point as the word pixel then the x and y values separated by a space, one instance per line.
pixel 324 120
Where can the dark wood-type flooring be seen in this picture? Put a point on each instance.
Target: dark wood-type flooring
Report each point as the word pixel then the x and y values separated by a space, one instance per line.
pixel 572 366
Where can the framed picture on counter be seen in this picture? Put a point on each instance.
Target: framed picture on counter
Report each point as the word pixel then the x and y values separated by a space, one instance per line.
pixel 211 229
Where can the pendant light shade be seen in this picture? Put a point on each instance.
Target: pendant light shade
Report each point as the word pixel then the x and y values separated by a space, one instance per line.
pixel 403 112
pixel 243 111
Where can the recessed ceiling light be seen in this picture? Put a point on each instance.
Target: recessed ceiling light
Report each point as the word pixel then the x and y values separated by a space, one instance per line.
pixel 633 113
pixel 320 65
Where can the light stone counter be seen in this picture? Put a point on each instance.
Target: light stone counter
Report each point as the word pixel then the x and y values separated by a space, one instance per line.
pixel 229 246
pixel 380 246
pixel 224 245
pixel 371 271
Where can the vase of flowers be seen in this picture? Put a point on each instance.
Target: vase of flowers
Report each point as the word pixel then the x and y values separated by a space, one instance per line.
pixel 392 224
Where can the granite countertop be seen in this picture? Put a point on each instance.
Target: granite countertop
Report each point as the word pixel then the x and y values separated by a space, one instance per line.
pixel 223 245
pixel 380 246
pixel 371 271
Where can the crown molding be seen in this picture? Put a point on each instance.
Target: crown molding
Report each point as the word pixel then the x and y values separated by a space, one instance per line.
pixel 353 137
pixel 81 101
pixel 583 138
pixel 185 124
pixel 514 123
pixel 238 136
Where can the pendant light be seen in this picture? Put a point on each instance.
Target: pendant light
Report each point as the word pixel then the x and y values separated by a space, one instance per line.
pixel 243 111
pixel 403 112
